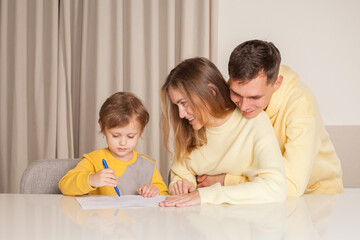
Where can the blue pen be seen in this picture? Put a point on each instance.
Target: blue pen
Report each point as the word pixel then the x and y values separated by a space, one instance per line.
pixel 106 166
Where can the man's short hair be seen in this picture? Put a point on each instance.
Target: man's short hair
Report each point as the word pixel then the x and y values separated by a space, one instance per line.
pixel 252 57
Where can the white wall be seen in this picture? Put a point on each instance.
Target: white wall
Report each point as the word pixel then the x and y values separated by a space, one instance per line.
pixel 319 39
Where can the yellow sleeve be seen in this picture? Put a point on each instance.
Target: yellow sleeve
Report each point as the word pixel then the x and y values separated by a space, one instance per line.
pixel 76 181
pixel 264 171
pixel 158 182
pixel 266 179
pixel 231 179
pixel 179 171
pixel 301 147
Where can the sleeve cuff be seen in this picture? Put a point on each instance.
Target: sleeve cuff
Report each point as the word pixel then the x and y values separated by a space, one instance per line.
pixel 208 194
pixel 88 186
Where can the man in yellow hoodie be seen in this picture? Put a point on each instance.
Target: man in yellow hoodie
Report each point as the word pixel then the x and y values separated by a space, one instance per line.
pixel 259 83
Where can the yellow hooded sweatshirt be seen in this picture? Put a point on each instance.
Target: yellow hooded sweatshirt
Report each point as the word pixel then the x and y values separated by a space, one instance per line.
pixel 311 163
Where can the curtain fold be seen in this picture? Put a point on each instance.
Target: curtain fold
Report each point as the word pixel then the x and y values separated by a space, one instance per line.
pixel 65 81
pixel 28 74
pixel 61 59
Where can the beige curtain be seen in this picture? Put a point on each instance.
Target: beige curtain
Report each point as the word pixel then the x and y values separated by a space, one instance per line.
pixel 29 86
pixel 60 60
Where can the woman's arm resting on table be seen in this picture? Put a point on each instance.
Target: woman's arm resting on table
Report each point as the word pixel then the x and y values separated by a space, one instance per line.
pixel 182 200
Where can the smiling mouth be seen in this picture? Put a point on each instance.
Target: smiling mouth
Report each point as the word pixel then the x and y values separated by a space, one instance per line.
pixel 191 120
pixel 247 112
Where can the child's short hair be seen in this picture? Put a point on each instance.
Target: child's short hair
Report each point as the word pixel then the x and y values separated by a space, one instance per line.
pixel 120 108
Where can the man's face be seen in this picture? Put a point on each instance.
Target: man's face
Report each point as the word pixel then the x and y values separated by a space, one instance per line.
pixel 253 96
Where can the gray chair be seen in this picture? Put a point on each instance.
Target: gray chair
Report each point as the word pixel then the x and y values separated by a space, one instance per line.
pixel 43 176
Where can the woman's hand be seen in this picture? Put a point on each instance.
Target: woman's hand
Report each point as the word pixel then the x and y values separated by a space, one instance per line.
pixel 181 187
pixel 182 200
pixel 208 180
pixel 148 190
pixel 104 177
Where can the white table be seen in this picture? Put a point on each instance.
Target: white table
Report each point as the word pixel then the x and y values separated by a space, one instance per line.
pixel 60 217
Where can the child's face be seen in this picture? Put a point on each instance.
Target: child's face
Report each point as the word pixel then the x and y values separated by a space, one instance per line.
pixel 123 140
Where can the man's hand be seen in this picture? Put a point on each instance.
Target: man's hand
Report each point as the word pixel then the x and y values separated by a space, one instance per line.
pixel 104 177
pixel 181 187
pixel 208 180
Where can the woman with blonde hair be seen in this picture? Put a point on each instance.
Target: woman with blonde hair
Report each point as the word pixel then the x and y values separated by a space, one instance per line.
pixel 211 137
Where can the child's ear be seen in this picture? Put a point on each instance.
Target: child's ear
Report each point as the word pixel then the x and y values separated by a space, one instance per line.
pixel 212 88
pixel 101 127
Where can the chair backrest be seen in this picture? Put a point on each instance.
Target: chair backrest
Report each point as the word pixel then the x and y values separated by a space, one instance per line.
pixel 43 176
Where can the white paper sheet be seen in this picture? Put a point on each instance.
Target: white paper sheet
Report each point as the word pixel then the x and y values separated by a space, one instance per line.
pixel 126 201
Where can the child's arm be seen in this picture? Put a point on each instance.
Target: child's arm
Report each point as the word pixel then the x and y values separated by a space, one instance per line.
pixel 75 182
pixel 158 182
pixel 84 179
pixel 104 177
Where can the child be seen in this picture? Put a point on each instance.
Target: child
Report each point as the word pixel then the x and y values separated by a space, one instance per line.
pixel 122 119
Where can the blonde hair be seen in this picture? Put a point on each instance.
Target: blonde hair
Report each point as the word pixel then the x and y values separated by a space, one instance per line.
pixel 204 88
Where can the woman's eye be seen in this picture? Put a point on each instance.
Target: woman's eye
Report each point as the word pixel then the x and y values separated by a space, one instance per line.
pixel 131 137
pixel 115 136
pixel 183 103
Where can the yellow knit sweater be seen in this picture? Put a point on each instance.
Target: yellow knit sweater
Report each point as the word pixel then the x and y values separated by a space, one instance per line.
pixel 247 150
pixel 311 163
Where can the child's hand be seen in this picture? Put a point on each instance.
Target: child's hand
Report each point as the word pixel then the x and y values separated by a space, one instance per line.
pixel 104 177
pixel 148 190
pixel 181 187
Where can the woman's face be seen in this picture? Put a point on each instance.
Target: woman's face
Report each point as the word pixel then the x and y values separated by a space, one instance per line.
pixel 185 111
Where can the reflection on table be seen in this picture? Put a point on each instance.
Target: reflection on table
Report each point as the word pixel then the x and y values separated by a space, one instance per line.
pixel 61 217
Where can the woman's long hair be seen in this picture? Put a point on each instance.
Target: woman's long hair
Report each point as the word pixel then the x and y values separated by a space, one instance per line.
pixel 205 90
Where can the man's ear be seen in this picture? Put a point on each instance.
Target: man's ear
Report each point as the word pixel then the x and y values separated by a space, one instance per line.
pixel 278 82
pixel 212 88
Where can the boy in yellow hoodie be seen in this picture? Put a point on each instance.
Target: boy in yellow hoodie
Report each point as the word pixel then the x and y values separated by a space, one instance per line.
pixel 122 119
